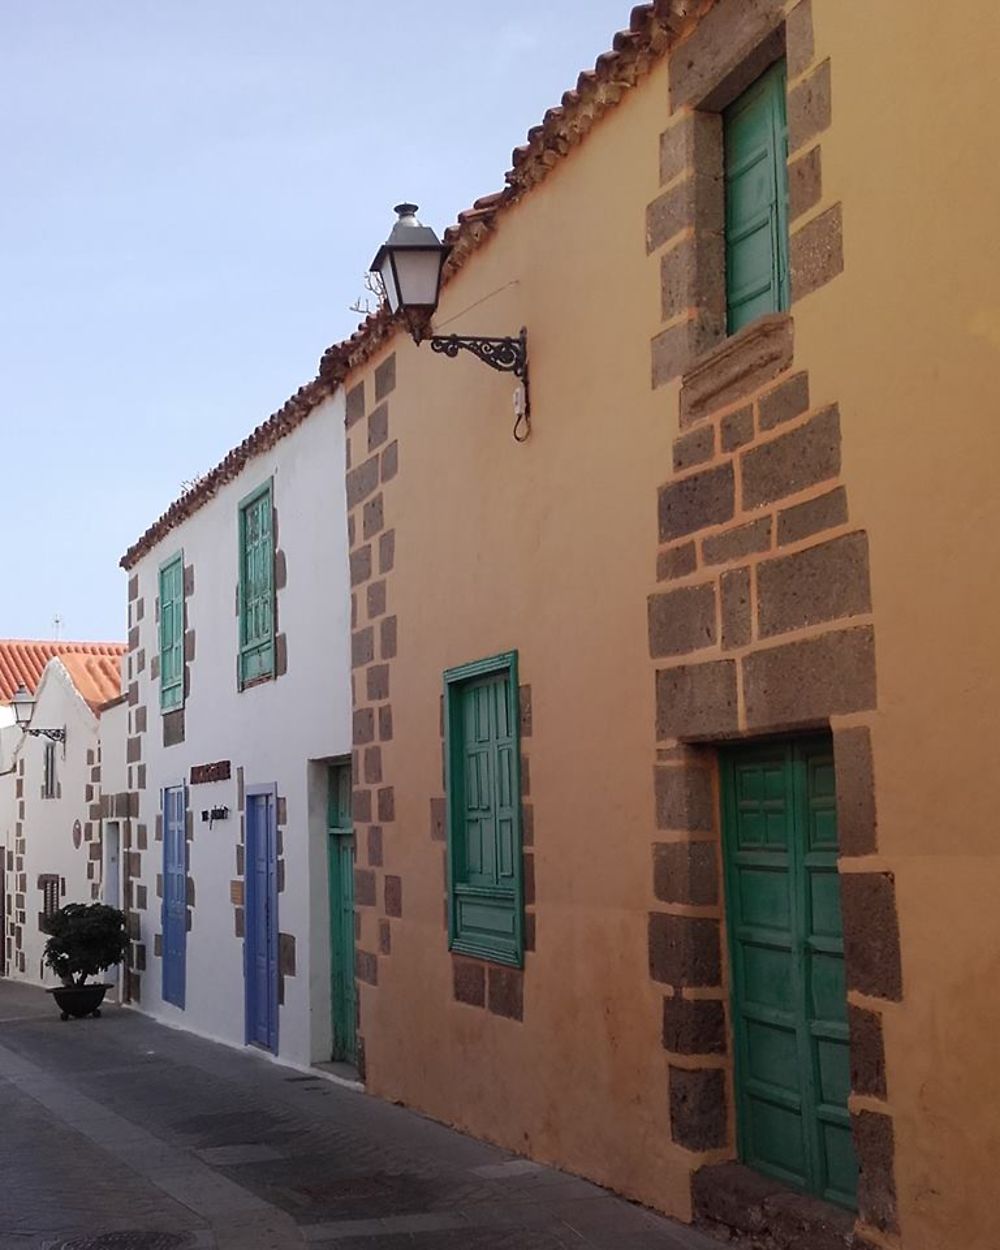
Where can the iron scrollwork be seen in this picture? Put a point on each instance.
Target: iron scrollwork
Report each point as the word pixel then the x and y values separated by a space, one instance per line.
pixel 507 355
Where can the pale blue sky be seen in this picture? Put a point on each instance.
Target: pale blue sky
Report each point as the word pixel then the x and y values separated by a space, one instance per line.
pixel 190 192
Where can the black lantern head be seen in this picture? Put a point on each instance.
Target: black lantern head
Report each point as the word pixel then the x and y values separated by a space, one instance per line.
pixel 410 263
pixel 23 703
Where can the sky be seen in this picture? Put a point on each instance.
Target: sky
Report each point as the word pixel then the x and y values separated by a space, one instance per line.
pixel 190 194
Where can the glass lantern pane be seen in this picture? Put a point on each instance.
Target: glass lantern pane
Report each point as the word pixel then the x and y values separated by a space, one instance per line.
pixel 389 282
pixel 417 272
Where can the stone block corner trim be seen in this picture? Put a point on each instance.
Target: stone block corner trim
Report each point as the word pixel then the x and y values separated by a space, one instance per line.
pixel 871 934
pixel 698 1113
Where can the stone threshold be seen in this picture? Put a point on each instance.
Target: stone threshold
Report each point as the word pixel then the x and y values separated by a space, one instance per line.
pixel 754 1212
pixel 343 1074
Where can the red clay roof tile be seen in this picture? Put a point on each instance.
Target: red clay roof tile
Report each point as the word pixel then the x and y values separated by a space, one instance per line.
pixel 22 660
pixel 96 677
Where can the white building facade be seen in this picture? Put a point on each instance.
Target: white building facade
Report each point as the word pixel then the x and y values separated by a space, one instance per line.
pixel 50 808
pixel 234 834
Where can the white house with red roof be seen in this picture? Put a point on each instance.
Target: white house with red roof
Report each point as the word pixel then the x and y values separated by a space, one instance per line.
pixel 22 662
pixel 51 843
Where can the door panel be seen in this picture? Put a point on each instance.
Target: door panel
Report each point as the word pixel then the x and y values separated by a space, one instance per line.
pixel 261 951
pixel 174 896
pixel 112 880
pixel 341 868
pixel 112 877
pixel 788 985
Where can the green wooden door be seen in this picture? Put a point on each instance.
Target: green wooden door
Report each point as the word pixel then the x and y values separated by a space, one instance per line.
pixel 787 966
pixel 756 149
pixel 341 864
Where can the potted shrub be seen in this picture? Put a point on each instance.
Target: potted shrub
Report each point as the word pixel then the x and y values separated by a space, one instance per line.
pixel 84 940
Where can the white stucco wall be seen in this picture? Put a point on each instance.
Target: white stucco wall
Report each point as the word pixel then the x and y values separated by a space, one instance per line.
pixel 113 729
pixel 10 736
pixel 271 731
pixel 48 823
pixel 8 742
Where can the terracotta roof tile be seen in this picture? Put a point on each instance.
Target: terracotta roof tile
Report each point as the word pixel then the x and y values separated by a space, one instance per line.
pixel 653 28
pixel 96 677
pixel 22 660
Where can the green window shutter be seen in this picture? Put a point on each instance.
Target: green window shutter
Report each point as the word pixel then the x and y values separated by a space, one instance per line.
pixel 484 810
pixel 756 175
pixel 256 586
pixel 339 814
pixel 172 632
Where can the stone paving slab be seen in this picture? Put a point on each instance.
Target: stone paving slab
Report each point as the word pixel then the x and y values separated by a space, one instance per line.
pixel 120 1125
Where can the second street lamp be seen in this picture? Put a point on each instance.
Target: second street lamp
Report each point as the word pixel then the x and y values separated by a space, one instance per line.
pixel 23 703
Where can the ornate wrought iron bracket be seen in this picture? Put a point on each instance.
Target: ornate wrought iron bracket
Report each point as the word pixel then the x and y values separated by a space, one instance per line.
pixel 507 355
pixel 54 735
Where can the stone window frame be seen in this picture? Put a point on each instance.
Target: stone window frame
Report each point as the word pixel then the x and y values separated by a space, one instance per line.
pixel 708 282
pixel 685 225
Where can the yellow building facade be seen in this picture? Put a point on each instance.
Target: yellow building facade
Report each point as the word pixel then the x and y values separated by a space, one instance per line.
pixel 745 578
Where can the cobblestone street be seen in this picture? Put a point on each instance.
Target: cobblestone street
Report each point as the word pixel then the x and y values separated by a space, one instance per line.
pixel 120 1134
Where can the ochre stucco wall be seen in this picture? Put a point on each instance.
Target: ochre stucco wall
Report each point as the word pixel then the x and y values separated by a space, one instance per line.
pixel 907 339
pixel 549 548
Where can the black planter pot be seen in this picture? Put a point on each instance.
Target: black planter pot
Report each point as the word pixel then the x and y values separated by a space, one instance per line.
pixel 79 1000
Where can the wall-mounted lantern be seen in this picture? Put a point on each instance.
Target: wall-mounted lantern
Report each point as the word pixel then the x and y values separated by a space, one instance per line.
pixel 410 264
pixel 23 703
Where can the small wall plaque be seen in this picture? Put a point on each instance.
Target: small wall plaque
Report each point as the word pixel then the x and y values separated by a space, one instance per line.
pixel 202 773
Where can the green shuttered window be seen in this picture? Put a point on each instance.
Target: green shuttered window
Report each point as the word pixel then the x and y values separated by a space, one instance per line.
pixel 484 809
pixel 256 586
pixel 756 149
pixel 172 632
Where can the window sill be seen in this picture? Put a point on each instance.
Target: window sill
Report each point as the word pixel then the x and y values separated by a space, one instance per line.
pixel 472 950
pixel 722 375
pixel 256 681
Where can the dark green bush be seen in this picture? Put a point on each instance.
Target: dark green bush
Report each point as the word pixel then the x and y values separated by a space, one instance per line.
pixel 85 939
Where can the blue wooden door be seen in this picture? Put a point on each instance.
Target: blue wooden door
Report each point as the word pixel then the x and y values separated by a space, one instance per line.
pixel 174 896
pixel 261 922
